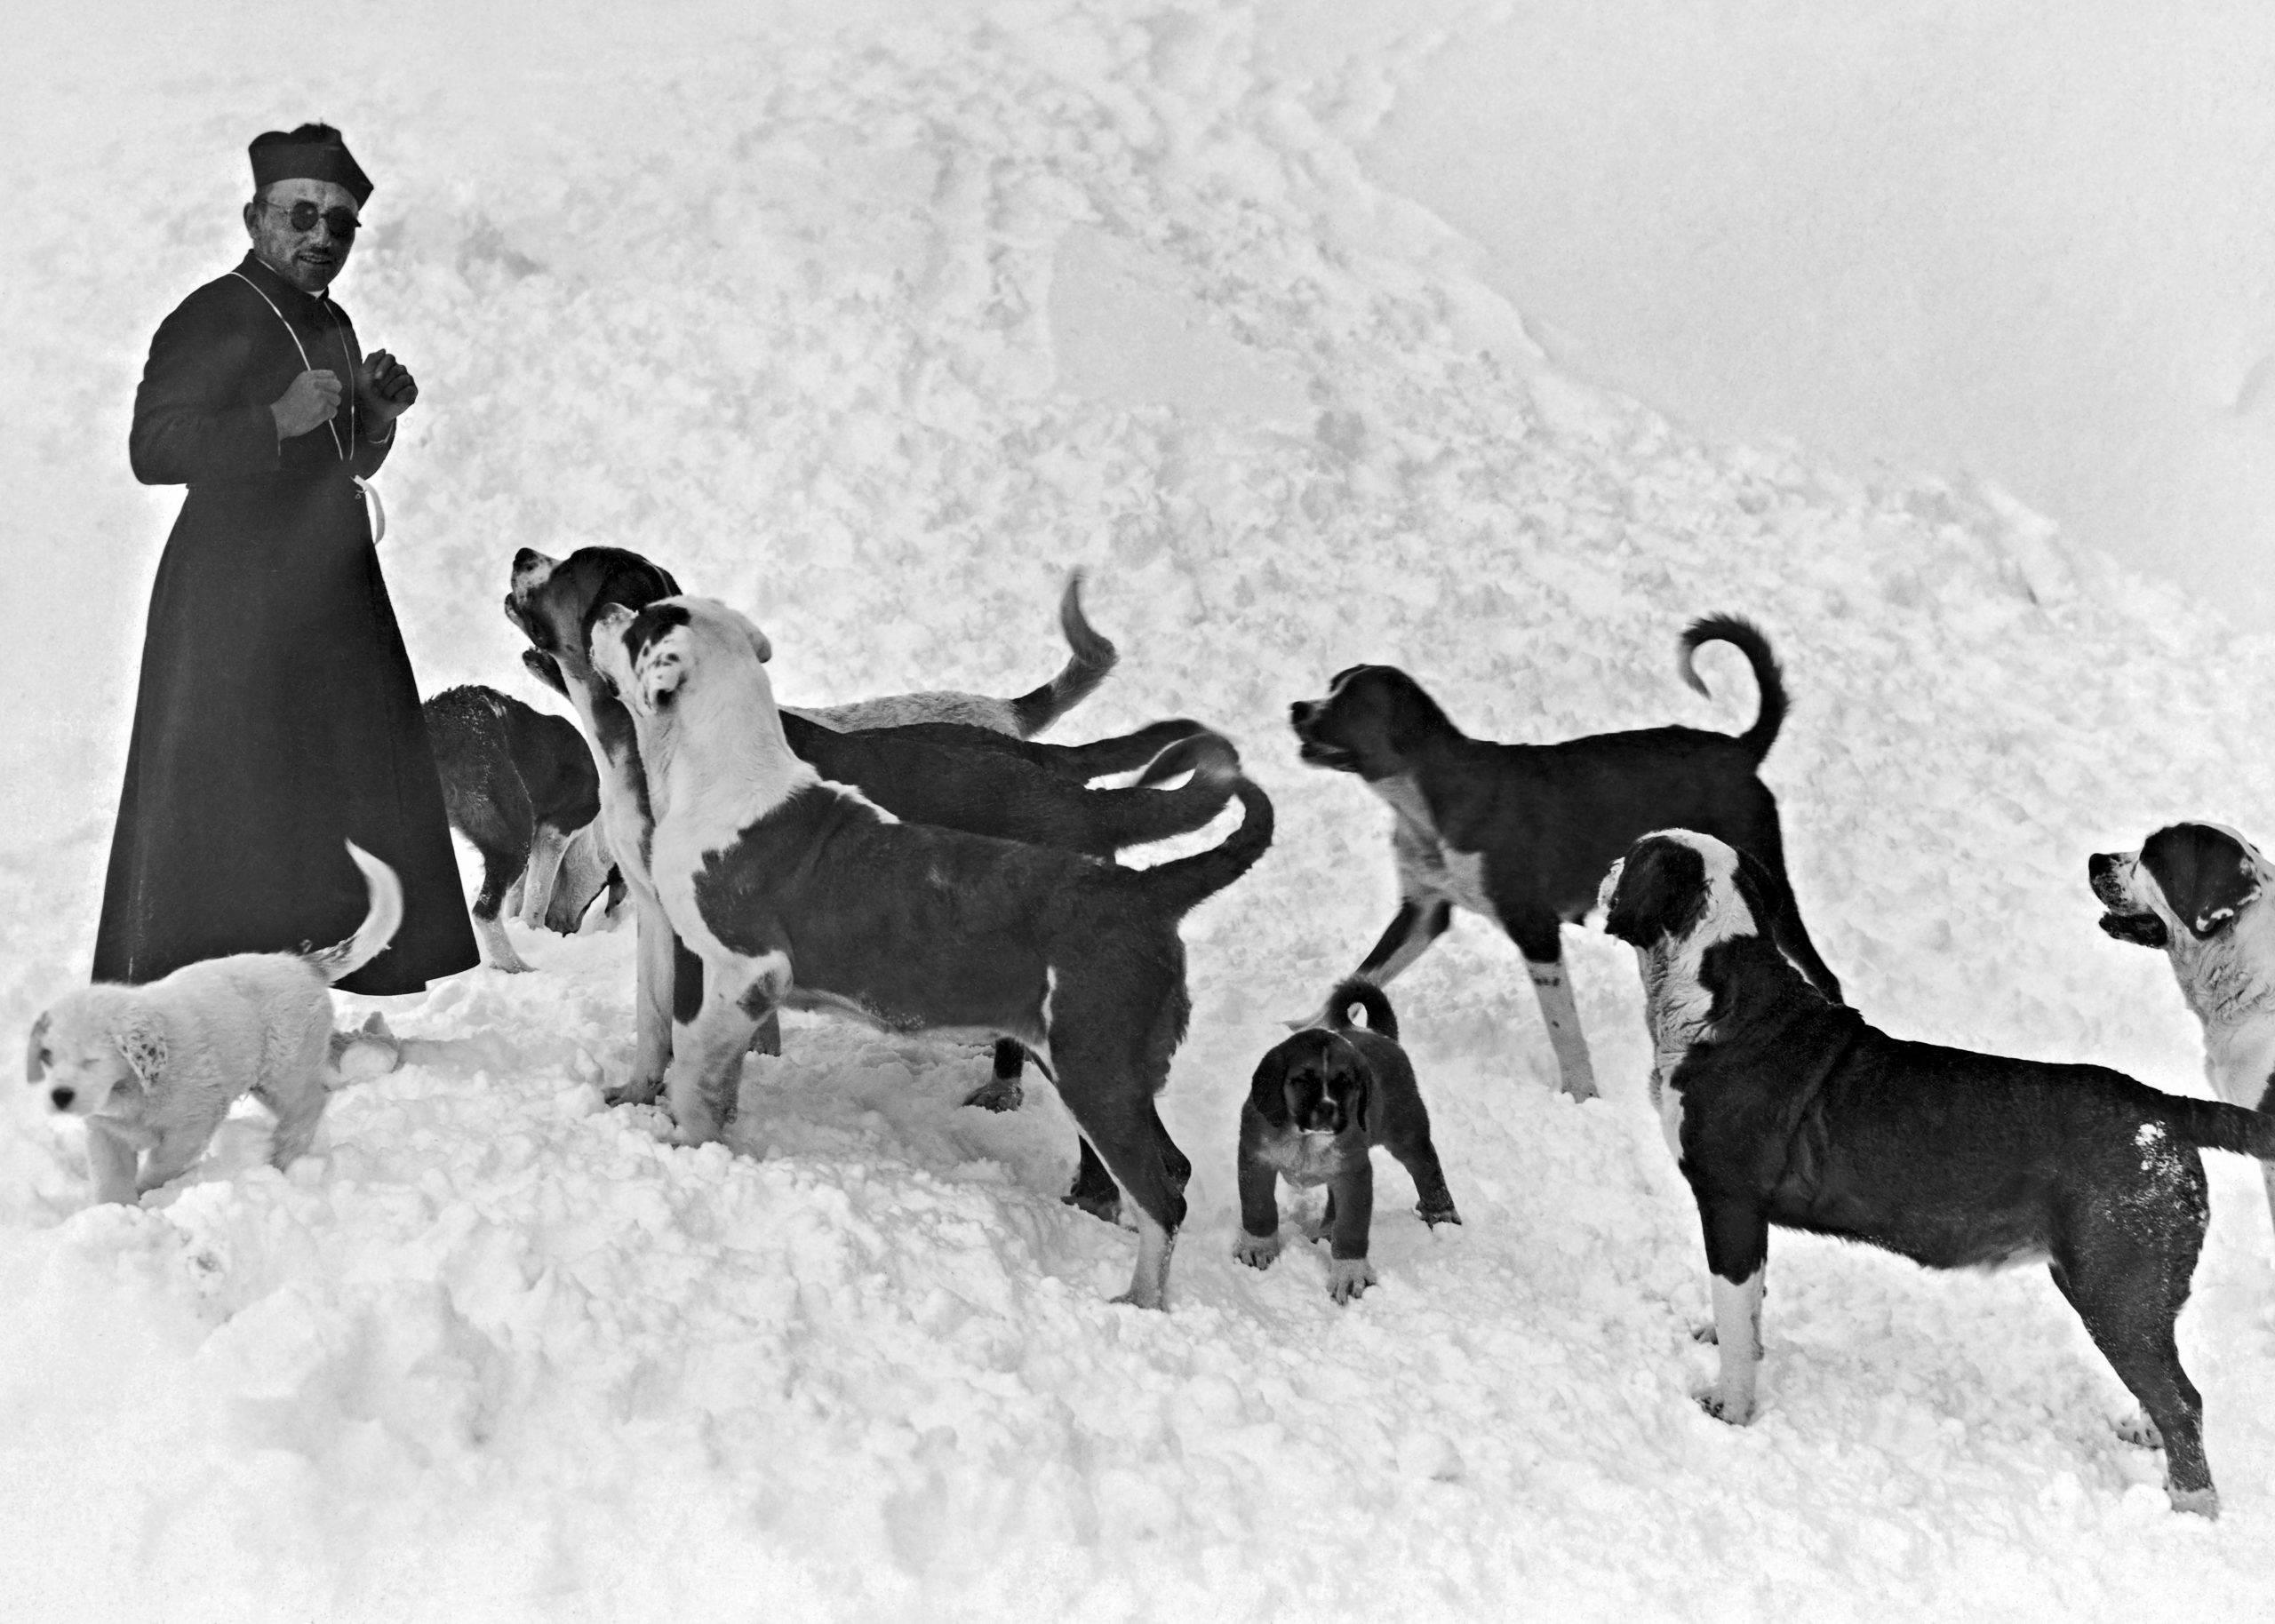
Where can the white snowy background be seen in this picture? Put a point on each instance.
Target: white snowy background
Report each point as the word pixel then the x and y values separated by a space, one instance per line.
pixel 874 318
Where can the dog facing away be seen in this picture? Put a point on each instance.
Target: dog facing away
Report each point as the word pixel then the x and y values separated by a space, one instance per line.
pixel 1319 1103
pixel 796 891
pixel 1784 1108
pixel 1522 834
pixel 155 1068
pixel 519 785
pixel 2197 891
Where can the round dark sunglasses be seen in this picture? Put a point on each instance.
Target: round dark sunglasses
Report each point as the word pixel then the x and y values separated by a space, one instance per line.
pixel 304 216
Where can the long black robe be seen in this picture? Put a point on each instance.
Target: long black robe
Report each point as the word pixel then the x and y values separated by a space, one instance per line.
pixel 277 716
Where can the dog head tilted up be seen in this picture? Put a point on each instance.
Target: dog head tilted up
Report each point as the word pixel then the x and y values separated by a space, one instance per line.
pixel 1371 723
pixel 553 602
pixel 96 1052
pixel 2197 891
pixel 2188 881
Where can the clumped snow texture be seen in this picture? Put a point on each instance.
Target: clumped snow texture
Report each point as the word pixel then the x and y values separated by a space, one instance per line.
pixel 875 333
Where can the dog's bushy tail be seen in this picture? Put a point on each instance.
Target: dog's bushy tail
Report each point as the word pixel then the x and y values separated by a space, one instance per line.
pixel 2215 1125
pixel 1091 658
pixel 1371 1002
pixel 377 928
pixel 1746 638
pixel 1186 882
pixel 1143 814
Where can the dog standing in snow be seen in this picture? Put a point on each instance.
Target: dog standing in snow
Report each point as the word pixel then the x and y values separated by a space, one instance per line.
pixel 1784 1108
pixel 795 891
pixel 156 1068
pixel 2197 891
pixel 1318 1103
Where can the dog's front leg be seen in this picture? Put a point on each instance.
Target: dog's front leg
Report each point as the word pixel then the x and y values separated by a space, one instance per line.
pixel 111 1160
pixel 706 1069
pixel 1259 1240
pixel 1737 1251
pixel 1348 1273
pixel 1420 920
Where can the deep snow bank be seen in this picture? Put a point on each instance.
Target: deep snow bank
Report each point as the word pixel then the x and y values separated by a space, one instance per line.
pixel 876 334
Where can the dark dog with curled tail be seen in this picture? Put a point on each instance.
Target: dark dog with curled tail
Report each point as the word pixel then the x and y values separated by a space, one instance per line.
pixel 1318 1103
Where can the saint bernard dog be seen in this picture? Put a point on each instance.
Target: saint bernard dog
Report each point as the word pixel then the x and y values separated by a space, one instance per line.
pixel 1784 1108
pixel 1522 834
pixel 795 891
pixel 2195 890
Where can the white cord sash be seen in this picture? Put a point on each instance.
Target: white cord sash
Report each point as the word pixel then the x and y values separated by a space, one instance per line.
pixel 374 509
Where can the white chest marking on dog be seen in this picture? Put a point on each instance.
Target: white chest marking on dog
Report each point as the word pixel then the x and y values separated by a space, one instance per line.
pixel 1428 866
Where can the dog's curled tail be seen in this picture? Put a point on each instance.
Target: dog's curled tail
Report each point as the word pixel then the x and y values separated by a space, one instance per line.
pixel 2215 1125
pixel 1371 1002
pixel 1090 657
pixel 1188 881
pixel 377 928
pixel 1746 638
pixel 1143 814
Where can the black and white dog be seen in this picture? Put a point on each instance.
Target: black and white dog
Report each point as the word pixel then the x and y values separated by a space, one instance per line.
pixel 796 891
pixel 518 784
pixel 2197 891
pixel 1522 834
pixel 1318 1103
pixel 1784 1108
pixel 553 602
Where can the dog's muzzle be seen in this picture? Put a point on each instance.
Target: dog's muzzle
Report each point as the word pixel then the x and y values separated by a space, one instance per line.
pixel 2106 872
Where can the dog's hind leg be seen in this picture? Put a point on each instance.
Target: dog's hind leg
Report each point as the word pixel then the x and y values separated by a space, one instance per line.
pixel 2129 1312
pixel 1110 1092
pixel 1543 948
pixel 298 1109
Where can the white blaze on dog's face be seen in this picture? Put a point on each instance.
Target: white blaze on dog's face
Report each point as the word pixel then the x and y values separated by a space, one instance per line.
pixel 86 1047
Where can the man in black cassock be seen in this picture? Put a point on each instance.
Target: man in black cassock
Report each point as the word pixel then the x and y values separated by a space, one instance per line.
pixel 277 717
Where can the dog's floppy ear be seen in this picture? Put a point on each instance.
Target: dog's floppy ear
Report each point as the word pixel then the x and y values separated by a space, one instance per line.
pixel 2205 875
pixel 1661 891
pixel 546 669
pixel 1267 1090
pixel 1360 1097
pixel 141 1037
pixel 35 1050
pixel 759 643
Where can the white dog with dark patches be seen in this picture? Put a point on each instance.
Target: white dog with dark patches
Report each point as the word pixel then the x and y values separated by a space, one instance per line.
pixel 2197 891
pixel 155 1069
pixel 1786 1110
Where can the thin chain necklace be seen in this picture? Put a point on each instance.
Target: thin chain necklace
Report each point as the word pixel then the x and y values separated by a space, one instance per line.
pixel 379 513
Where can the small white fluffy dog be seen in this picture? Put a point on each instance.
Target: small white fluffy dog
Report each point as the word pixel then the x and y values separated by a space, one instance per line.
pixel 156 1067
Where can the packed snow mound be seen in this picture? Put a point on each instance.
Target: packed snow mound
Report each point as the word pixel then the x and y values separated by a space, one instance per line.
pixel 876 335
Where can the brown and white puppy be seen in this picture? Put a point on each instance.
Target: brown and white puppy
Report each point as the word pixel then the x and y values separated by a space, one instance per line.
pixel 1786 1109
pixel 156 1068
pixel 519 785
pixel 2198 891
pixel 1522 834
pixel 1318 1103
pixel 794 891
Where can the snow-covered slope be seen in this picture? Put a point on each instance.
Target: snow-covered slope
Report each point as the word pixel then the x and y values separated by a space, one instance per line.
pixel 875 333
